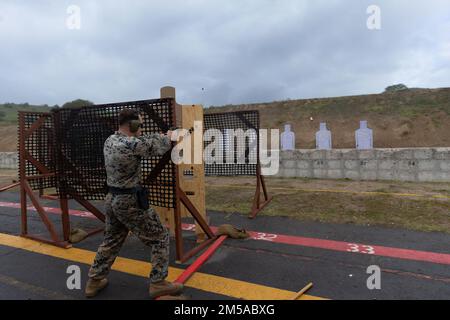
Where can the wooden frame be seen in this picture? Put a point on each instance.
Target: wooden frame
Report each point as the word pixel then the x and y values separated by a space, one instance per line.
pixel 184 205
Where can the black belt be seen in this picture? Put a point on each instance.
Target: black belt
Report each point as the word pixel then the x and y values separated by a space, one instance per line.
pixel 142 194
pixel 116 191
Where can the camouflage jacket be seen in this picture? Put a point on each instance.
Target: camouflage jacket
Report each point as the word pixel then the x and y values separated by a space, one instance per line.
pixel 123 157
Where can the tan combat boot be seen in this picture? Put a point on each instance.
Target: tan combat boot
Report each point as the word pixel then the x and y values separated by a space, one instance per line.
pixel 164 288
pixel 93 287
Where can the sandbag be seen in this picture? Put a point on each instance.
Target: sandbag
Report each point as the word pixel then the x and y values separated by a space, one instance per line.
pixel 232 232
pixel 77 235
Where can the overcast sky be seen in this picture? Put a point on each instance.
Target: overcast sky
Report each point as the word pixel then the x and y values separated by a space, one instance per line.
pixel 218 52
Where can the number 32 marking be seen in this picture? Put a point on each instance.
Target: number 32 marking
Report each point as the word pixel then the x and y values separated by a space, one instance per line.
pixel 265 236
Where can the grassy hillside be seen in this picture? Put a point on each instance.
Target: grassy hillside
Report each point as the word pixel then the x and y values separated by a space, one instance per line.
pixel 9 117
pixel 8 123
pixel 8 111
pixel 409 118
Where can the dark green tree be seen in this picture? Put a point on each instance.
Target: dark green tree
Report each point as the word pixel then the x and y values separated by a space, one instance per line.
pixel 77 104
pixel 396 87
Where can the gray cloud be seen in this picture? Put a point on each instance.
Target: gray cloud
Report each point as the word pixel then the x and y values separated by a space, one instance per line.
pixel 237 51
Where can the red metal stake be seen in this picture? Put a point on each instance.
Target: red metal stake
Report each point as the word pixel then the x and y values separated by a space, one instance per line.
pixel 200 260
pixel 9 187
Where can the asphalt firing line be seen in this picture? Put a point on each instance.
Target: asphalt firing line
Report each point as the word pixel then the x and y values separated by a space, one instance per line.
pixel 350 247
pixel 27 287
pixel 202 281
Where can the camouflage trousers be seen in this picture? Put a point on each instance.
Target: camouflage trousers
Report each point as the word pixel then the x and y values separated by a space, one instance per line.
pixel 122 216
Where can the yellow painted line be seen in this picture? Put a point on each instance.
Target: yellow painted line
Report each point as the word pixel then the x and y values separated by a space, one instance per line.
pixel 334 191
pixel 202 281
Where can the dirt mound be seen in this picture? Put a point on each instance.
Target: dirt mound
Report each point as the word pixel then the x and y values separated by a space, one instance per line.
pixel 8 138
pixel 408 118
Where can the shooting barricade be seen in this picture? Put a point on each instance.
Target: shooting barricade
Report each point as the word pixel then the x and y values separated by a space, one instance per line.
pixel 249 165
pixel 62 151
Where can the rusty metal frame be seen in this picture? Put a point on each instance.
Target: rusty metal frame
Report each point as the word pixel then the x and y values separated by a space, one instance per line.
pixel 257 205
pixel 181 199
pixel 15 184
pixel 27 192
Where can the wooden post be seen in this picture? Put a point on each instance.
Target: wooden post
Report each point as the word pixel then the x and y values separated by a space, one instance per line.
pixel 191 176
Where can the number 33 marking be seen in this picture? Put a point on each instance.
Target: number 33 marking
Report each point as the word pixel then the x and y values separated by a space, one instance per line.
pixel 352 247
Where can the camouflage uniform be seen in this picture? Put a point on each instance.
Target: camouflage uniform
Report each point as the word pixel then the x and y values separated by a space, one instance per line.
pixel 123 168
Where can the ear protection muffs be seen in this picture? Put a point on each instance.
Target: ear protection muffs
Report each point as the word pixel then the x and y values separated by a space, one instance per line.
pixel 135 125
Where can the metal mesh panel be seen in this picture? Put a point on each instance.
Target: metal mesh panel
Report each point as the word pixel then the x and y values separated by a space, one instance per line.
pixel 225 123
pixel 80 139
pixel 40 146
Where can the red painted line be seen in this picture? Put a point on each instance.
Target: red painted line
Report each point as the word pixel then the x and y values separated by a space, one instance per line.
pixel 200 260
pixel 406 254
pixel 78 213
pixel 49 197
